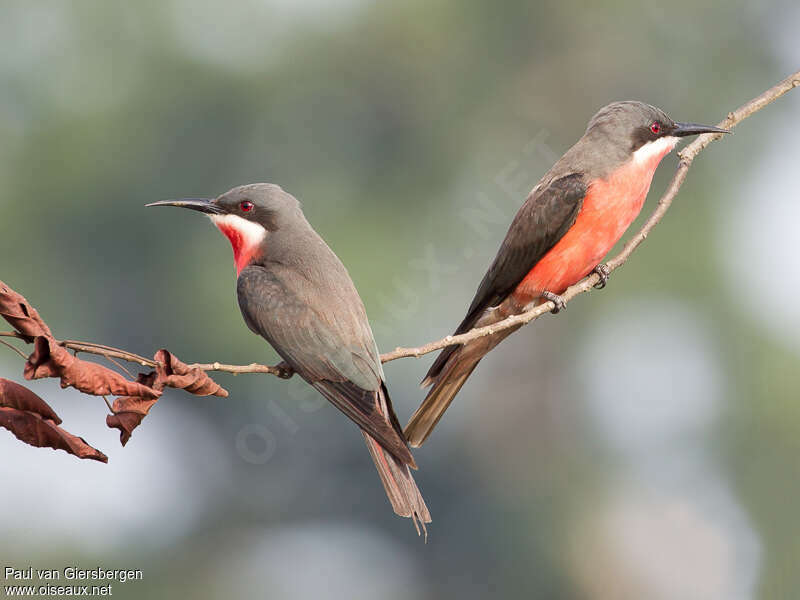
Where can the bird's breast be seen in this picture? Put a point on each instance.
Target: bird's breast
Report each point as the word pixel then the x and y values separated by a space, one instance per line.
pixel 610 206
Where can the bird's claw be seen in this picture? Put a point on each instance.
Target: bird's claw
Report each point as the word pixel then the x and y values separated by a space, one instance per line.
pixel 284 371
pixel 603 272
pixel 558 301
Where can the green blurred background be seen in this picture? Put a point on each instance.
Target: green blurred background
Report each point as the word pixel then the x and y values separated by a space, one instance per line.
pixel 644 444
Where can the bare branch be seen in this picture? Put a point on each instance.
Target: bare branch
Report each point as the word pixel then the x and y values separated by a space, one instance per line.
pixel 280 370
pixel 108 352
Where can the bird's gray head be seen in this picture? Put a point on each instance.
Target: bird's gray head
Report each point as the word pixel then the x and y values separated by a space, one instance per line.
pixel 635 127
pixel 247 215
pixel 264 204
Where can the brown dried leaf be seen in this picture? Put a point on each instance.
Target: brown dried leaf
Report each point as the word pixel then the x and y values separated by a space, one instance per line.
pixel 130 410
pixel 14 395
pixel 174 373
pixel 15 309
pixel 44 433
pixel 51 360
pixel 128 414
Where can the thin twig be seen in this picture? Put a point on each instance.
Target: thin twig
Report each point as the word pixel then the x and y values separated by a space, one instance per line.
pixel 118 364
pixel 12 334
pixel 108 351
pixel 15 349
pixel 686 157
pixel 276 370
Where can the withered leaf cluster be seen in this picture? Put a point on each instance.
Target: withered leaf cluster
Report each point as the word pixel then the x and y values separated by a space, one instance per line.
pixel 31 420
pixel 49 359
pixel 170 372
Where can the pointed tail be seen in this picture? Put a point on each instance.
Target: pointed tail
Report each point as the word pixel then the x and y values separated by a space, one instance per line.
pixel 448 373
pixel 445 387
pixel 400 486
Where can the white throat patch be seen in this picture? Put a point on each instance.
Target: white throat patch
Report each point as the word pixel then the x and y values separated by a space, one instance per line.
pixel 655 150
pixel 251 234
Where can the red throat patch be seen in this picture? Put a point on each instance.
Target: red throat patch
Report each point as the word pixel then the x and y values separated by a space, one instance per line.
pixel 245 248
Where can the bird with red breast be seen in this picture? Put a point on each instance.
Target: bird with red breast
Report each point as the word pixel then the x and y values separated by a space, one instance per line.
pixel 568 223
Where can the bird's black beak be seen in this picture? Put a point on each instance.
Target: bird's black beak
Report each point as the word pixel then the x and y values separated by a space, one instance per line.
pixel 209 207
pixel 684 129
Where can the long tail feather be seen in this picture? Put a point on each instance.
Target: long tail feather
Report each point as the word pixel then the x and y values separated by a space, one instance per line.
pixel 448 374
pixel 445 387
pixel 400 486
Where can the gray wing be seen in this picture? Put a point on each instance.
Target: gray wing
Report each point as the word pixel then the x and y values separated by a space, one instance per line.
pixel 548 212
pixel 542 220
pixel 322 332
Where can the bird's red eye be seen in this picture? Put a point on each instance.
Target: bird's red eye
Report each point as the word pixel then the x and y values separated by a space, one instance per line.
pixel 655 127
pixel 246 205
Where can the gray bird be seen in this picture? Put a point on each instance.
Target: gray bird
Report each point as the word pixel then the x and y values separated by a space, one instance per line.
pixel 295 293
pixel 568 223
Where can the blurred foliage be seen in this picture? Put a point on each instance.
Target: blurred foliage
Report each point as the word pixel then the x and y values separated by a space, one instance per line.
pixel 411 132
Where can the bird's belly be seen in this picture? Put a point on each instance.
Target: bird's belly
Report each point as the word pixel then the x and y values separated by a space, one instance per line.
pixel 609 208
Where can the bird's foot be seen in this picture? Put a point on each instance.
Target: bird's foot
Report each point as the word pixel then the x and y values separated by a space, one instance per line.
pixel 603 272
pixel 284 371
pixel 560 303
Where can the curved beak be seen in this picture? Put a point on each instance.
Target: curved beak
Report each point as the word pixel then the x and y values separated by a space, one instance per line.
pixel 203 205
pixel 684 129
